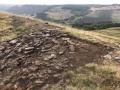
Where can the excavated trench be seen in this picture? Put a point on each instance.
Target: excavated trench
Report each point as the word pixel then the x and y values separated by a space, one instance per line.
pixel 40 56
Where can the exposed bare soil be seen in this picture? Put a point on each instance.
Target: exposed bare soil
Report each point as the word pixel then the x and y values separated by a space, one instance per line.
pixel 41 54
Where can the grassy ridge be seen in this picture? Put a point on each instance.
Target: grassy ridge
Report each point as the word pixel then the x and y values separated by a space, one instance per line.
pixel 110 35
pixel 105 76
pixel 11 26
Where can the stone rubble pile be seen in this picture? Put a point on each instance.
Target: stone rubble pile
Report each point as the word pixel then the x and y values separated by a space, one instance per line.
pixel 40 57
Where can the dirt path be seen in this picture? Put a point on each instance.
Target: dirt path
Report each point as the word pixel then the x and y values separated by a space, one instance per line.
pixel 41 55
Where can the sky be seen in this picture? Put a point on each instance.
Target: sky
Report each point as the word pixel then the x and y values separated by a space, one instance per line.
pixel 49 2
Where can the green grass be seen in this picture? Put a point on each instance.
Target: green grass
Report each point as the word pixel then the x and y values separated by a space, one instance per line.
pixel 8 30
pixel 113 32
pixel 90 77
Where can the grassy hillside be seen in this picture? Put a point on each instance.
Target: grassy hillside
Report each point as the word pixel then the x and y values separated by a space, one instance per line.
pixel 97 13
pixel 6 28
pixel 72 14
pixel 28 9
pixel 63 12
pixel 95 36
pixel 12 26
pixel 93 76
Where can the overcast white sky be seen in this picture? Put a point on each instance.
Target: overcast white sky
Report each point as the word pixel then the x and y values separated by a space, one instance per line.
pixel 59 1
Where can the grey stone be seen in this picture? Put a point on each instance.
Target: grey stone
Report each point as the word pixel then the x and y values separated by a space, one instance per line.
pixel 18 44
pixel 57 67
pixel 13 42
pixel 50 57
pixel 55 41
pixel 72 48
pixel 46 35
pixel 33 68
pixel 39 82
pixel 57 75
pixel 28 52
pixel 2 48
pixel 29 48
pixel 117 58
pixel 37 63
pixel 19 50
pixel 109 57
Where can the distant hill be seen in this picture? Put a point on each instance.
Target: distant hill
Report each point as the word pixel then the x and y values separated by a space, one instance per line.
pixel 71 14
pixel 5 7
pixel 88 13
pixel 28 9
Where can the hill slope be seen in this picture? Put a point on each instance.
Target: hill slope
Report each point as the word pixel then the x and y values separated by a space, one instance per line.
pixel 28 9
pixel 39 54
pixel 81 16
pixel 97 13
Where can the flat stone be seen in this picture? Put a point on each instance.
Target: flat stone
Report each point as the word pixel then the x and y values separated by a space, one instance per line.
pixel 18 44
pixel 65 39
pixel 33 68
pixel 29 48
pixel 57 67
pixel 60 53
pixel 39 82
pixel 57 75
pixel 69 41
pixel 2 48
pixel 46 35
pixel 64 35
pixel 37 63
pixel 109 57
pixel 50 57
pixel 19 50
pixel 117 58
pixel 72 48
pixel 53 55
pixel 28 52
pixel 49 71
pixel 13 42
pixel 55 41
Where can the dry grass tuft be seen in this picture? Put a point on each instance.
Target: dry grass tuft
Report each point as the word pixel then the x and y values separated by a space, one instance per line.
pixel 90 77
